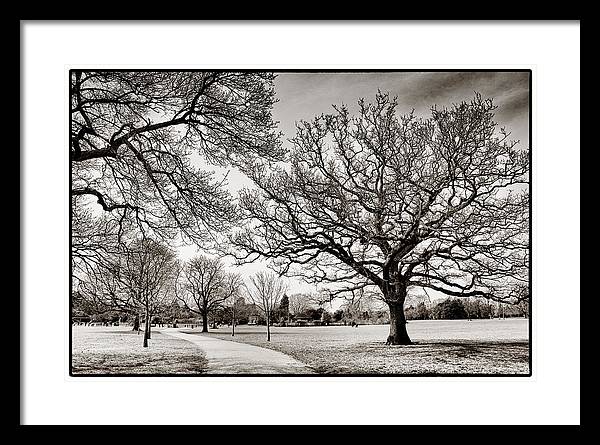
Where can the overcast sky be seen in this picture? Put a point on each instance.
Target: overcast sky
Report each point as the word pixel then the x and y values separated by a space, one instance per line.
pixel 304 95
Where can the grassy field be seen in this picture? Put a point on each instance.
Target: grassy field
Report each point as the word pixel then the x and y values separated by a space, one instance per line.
pixel 118 350
pixel 440 347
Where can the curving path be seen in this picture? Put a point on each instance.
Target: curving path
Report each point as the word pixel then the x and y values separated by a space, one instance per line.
pixel 229 357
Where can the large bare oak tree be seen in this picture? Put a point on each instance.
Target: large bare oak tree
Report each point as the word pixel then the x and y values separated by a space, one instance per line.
pixel 396 202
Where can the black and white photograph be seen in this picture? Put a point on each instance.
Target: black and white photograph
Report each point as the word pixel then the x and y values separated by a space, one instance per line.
pixel 300 222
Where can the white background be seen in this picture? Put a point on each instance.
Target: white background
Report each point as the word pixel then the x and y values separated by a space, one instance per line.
pixel 551 396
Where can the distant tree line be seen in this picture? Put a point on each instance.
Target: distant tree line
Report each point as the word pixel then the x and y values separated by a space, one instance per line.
pixel 247 311
pixel 465 309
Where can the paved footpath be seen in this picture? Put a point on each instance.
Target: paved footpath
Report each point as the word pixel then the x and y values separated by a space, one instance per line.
pixel 229 357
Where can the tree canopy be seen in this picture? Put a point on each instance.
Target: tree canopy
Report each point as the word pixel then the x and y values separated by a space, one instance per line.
pixel 135 141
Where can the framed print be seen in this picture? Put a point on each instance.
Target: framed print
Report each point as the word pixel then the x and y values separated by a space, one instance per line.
pixel 300 223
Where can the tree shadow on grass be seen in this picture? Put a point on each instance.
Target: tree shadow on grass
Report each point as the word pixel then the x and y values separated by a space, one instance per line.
pixel 133 364
pixel 127 332
pixel 462 348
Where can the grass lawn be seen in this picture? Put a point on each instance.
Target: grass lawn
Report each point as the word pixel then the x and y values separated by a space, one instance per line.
pixel 118 350
pixel 440 347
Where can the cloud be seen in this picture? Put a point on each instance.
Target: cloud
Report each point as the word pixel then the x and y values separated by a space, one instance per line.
pixel 305 95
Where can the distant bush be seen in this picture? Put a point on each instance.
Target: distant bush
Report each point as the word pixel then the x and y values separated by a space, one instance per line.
pixel 451 309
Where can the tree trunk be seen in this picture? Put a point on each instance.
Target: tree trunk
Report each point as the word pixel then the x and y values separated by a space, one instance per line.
pixel 233 320
pixel 205 322
pixel 149 328
pixel 136 324
pixel 146 333
pixel 398 334
pixel 268 328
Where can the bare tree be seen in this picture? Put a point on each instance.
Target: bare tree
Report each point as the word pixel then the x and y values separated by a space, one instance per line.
pixel 134 136
pixel 390 202
pixel 299 303
pixel 97 282
pixel 139 280
pixel 204 286
pixel 234 300
pixel 265 292
pixel 98 290
pixel 147 271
